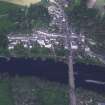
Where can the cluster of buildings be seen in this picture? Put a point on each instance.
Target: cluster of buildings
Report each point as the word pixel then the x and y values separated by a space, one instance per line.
pixel 44 39
pixel 78 41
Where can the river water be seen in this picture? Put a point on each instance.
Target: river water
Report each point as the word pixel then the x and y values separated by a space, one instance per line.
pixel 87 76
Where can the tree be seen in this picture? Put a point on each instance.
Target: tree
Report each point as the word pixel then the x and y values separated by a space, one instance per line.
pixel 3 43
pixel 39 15
pixel 20 51
pixel 3 40
pixel 44 2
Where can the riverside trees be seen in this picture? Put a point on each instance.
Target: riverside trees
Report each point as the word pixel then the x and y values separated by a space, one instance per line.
pixel 3 43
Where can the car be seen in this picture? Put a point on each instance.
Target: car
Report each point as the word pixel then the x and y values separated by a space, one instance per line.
pixel 74 45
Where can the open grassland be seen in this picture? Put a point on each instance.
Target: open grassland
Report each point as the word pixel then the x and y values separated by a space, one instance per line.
pixel 22 2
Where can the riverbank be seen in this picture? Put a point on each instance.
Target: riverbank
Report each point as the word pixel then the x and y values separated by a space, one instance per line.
pixel 89 77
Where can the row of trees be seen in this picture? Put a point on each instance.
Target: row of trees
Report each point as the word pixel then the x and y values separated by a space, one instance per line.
pixel 3 43
pixel 36 51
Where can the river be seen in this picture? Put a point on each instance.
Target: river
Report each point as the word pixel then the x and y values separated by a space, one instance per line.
pixel 87 76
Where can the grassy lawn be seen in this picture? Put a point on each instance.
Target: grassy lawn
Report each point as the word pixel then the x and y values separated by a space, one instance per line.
pixel 5 93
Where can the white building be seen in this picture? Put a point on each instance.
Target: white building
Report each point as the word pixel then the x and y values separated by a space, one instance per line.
pixel 87 49
pixel 74 46
pixel 91 3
